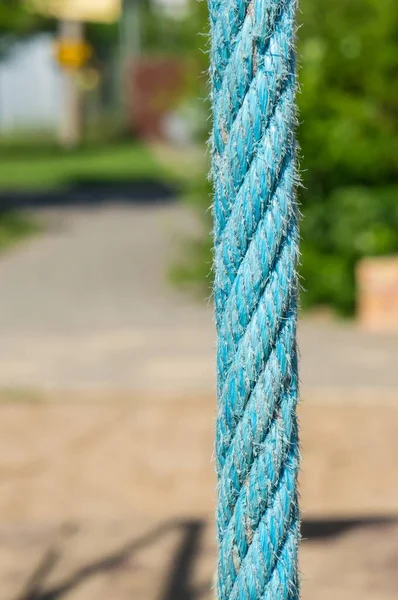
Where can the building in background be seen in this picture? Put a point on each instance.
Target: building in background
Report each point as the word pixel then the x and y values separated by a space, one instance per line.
pixel 31 86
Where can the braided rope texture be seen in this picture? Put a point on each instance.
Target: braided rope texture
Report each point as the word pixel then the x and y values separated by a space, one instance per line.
pixel 253 88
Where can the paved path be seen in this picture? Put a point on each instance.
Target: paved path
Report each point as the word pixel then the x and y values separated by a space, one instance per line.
pixel 88 304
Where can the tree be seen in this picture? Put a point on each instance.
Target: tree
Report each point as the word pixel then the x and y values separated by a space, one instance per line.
pixel 17 20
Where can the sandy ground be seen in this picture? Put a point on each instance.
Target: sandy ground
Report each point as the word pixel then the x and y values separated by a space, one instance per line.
pixel 174 560
pixel 114 496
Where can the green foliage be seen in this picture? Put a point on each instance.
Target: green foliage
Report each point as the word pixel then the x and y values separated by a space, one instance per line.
pixel 15 227
pixel 349 140
pixel 17 20
pixel 348 133
pixel 178 35
pixel 194 270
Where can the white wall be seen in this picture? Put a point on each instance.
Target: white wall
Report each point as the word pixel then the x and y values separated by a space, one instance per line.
pixel 30 86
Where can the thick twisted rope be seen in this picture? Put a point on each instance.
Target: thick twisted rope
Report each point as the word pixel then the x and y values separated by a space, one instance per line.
pixel 256 248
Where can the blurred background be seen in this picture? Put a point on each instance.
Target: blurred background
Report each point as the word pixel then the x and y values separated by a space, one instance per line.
pixel 107 379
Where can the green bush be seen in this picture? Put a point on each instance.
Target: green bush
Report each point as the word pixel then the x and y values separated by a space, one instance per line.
pixel 348 133
pixel 348 136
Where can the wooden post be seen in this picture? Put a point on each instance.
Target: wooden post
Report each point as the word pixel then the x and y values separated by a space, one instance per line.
pixel 70 130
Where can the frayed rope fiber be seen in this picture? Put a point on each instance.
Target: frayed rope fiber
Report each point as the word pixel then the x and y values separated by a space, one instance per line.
pixel 253 87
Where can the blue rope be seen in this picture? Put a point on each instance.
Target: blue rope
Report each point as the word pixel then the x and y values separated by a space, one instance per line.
pixel 253 88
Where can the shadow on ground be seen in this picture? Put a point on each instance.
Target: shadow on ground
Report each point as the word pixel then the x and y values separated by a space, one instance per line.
pixel 321 529
pixel 91 193
pixel 179 584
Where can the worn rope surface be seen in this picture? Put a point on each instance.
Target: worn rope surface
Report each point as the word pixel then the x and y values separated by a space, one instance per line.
pixel 256 248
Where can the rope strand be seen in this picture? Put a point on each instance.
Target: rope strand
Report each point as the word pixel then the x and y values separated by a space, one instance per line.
pixel 253 89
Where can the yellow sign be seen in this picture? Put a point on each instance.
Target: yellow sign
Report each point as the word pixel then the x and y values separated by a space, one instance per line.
pixel 97 11
pixel 73 54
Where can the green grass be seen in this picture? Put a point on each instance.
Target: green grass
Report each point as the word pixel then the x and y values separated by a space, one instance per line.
pixel 28 166
pixel 36 163
pixel 14 228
